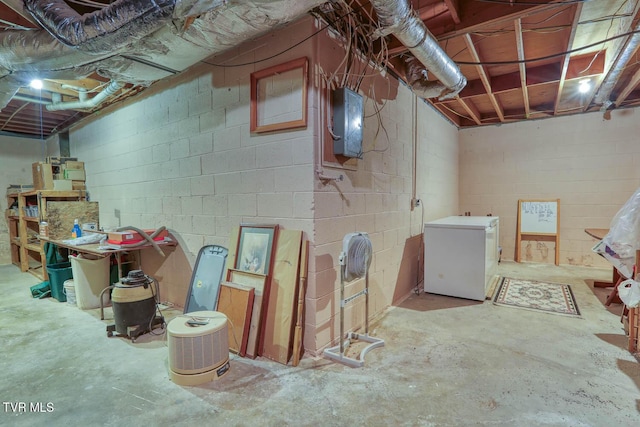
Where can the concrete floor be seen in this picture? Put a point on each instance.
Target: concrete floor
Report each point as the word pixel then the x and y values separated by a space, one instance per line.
pixel 446 362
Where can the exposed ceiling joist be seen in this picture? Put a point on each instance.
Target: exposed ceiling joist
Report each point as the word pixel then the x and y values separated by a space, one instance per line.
pixel 498 46
pixel 630 86
pixel 484 76
pixel 471 109
pixel 453 9
pixel 567 57
pixel 522 65
pixel 21 16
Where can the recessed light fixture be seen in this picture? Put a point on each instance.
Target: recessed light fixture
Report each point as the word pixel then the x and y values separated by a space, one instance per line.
pixel 584 86
pixel 36 84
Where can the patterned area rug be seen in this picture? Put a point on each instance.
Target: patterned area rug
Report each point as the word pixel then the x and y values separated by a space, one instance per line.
pixel 539 296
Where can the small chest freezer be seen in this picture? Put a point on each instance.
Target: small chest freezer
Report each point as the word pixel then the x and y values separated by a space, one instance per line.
pixel 460 255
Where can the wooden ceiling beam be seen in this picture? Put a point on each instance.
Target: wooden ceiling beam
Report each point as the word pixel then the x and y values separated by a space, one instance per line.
pixel 477 15
pixel 567 58
pixel 451 115
pixel 452 5
pixel 432 11
pixel 522 65
pixel 484 76
pixel 543 74
pixel 629 87
pixel 19 15
pixel 471 109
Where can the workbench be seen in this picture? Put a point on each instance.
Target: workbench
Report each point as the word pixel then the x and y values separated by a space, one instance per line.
pixel 97 249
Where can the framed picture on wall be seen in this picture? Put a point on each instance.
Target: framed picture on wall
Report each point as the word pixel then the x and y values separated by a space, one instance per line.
pixel 255 247
pixel 279 96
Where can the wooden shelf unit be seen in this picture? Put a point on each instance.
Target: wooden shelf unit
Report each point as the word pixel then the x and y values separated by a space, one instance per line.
pixel 27 250
pixel 13 224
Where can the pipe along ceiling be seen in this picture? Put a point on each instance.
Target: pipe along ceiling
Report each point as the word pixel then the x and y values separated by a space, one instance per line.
pixel 143 41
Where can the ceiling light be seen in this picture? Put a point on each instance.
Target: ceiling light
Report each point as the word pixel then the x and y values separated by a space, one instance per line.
pixel 36 84
pixel 584 86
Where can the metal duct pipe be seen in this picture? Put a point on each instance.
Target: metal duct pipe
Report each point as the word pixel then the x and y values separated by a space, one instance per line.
pixel 616 70
pixel 105 30
pixel 111 89
pixel 225 24
pixel 397 18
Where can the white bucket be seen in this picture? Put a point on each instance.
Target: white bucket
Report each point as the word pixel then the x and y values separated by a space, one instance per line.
pixel 91 276
pixel 70 291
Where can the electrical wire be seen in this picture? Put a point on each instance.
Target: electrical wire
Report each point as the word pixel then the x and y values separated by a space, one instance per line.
pixel 156 298
pixel 13 26
pixel 606 35
pixel 548 18
pixel 554 55
pixel 380 126
pixel 358 257
pixel 605 18
pixel 455 112
pixel 283 51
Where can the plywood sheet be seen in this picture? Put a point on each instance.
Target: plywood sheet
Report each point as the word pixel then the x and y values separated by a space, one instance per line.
pixel 255 281
pixel 282 299
pixel 60 216
pixel 233 248
pixel 297 334
pixel 236 302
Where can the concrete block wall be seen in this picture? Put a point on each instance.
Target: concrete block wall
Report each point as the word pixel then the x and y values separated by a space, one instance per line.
pixel 182 156
pixel 592 165
pixel 375 197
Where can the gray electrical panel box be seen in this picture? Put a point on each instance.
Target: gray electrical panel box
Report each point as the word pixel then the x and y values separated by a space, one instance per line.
pixel 347 123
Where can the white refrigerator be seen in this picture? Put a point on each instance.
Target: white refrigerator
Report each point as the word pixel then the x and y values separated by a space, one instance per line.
pixel 460 255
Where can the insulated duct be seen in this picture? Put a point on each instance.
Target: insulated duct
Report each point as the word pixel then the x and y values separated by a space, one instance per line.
pixel 105 30
pixel 397 18
pixel 616 70
pixel 133 41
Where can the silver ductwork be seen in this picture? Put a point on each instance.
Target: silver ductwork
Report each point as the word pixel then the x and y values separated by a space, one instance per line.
pixel 133 41
pixel 105 30
pixel 397 18
pixel 616 70
pixel 142 41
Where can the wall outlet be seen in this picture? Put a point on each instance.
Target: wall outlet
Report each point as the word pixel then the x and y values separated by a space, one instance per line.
pixel 415 203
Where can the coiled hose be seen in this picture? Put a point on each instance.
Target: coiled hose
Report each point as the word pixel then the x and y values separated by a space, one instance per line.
pixel 147 237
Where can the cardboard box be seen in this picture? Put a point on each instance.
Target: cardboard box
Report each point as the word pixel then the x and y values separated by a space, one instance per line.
pixel 57 161
pixel 62 184
pixel 75 174
pixel 129 237
pixel 19 188
pixel 72 164
pixel 78 185
pixel 42 176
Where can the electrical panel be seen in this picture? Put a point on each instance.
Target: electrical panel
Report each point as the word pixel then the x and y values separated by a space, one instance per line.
pixel 347 123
